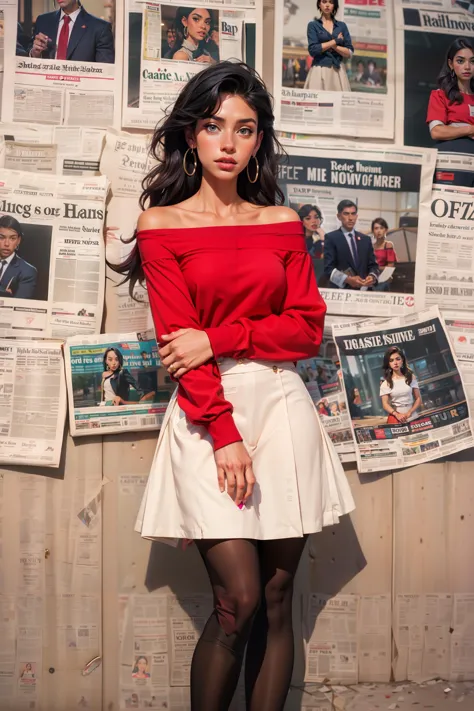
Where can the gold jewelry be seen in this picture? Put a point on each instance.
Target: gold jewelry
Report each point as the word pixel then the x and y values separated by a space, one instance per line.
pixel 257 170
pixel 185 32
pixel 195 163
pixel 173 367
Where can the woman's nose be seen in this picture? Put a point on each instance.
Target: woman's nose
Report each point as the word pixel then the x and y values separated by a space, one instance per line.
pixel 227 142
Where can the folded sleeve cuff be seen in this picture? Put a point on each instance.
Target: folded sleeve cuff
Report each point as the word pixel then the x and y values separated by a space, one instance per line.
pixel 223 431
pixel 219 339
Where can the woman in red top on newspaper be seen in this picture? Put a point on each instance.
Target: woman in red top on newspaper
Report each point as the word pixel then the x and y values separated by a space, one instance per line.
pixel 242 466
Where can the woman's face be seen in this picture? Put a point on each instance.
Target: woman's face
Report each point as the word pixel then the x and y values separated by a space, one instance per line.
pixel 326 7
pixel 334 407
pixel 312 221
pixel 28 667
pixel 142 665
pixel 112 361
pixel 463 64
pixel 198 24
pixel 226 141
pixel 379 231
pixel 395 362
pixel 356 392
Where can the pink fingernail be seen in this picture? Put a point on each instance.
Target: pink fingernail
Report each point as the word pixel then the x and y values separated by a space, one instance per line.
pixel 241 505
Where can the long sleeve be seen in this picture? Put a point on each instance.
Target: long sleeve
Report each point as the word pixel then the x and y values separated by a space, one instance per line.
pixel 347 38
pixel 200 392
pixel 314 43
pixel 294 334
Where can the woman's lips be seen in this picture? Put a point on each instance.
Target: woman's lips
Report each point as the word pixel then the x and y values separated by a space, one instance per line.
pixel 226 165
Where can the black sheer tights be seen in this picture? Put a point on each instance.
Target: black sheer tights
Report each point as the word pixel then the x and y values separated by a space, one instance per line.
pixel 252 582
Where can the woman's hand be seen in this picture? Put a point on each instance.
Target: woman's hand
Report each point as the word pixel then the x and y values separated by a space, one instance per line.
pixel 109 234
pixel 117 400
pixel 235 466
pixel 205 59
pixel 185 349
pixel 401 416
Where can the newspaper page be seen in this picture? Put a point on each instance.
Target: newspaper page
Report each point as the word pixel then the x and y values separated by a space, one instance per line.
pixel 323 379
pixel 375 193
pixel 115 383
pixel 33 402
pixel 187 616
pixel 344 90
pixel 52 254
pixel 63 150
pixel 332 647
pixel 425 29
pixel 375 637
pixel 413 402
pixel 73 82
pixel 167 44
pixel 462 637
pixel 446 250
pixel 461 334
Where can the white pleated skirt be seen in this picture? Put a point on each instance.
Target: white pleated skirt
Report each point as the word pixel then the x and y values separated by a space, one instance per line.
pixel 301 485
pixel 327 79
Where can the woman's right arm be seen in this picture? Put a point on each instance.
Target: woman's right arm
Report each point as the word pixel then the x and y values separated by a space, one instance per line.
pixel 437 119
pixel 315 47
pixel 441 132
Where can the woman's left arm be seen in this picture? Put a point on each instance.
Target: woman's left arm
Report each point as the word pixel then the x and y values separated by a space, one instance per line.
pixel 346 49
pixel 416 402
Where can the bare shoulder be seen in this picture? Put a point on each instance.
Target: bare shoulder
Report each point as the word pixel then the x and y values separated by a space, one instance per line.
pixel 279 213
pixel 156 218
pixel 388 244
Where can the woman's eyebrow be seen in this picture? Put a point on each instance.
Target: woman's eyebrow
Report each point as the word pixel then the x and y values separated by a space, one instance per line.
pixel 244 120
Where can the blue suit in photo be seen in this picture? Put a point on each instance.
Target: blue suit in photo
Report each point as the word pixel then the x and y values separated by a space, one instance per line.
pixel 20 277
pixel 91 38
pixel 337 255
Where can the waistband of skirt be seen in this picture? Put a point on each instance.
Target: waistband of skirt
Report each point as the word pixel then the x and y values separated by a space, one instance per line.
pixel 231 366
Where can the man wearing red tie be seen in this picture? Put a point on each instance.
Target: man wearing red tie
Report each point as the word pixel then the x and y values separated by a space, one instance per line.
pixel 72 33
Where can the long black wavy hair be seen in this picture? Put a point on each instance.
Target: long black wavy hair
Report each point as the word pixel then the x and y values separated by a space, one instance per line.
pixel 168 184
pixel 387 371
pixel 446 81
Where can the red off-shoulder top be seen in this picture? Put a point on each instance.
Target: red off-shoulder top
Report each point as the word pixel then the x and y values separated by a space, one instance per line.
pixel 251 288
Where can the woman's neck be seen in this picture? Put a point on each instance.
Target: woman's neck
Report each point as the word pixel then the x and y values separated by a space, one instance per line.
pixel 464 86
pixel 379 241
pixel 191 42
pixel 327 18
pixel 216 197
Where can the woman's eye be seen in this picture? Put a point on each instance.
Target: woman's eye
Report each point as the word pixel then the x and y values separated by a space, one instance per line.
pixel 246 131
pixel 210 127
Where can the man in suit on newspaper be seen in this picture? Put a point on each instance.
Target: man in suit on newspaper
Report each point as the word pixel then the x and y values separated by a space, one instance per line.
pixel 17 277
pixel 349 259
pixel 72 33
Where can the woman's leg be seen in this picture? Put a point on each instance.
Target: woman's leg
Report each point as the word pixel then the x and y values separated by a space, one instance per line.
pixel 233 569
pixel 270 650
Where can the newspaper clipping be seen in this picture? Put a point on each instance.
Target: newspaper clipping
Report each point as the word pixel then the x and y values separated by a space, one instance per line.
pixel 429 35
pixel 460 328
pixel 115 383
pixel 359 208
pixel 51 255
pixel 341 83
pixel 76 80
pixel 33 397
pixel 167 44
pixel 446 250
pixel 413 405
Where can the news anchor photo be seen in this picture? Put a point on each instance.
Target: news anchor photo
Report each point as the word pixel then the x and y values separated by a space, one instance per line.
pixel 72 33
pixel 329 43
pixel 450 114
pixel 17 277
pixel 349 259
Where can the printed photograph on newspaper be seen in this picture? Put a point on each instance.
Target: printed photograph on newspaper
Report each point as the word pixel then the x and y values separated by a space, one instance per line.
pixel 64 68
pixel 51 254
pixel 166 44
pixel 115 383
pixel 334 67
pixel 461 333
pixel 359 210
pixel 412 404
pixel 323 378
pixel 446 250
pixel 33 391
pixel 435 71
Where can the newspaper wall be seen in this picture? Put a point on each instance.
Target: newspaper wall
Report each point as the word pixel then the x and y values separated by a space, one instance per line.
pixel 424 31
pixel 160 57
pixel 60 150
pixel 82 90
pixel 439 426
pixel 52 283
pixel 33 397
pixel 126 160
pixel 361 104
pixel 323 379
pixel 382 183
pixel 446 250
pixel 115 383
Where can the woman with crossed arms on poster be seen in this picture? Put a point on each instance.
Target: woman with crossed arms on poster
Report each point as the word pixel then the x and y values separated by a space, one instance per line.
pixel 399 391
pixel 329 43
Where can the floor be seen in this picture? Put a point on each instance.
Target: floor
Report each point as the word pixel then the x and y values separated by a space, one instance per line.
pixel 436 695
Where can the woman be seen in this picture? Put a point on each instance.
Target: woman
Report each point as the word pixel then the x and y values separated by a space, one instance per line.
pixel 193 28
pixel 27 672
pixel 451 107
pixel 399 391
pixel 355 403
pixel 334 410
pixel 312 219
pixel 140 670
pixel 117 381
pixel 383 249
pixel 235 303
pixel 329 43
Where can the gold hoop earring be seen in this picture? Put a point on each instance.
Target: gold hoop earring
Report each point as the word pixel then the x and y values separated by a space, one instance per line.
pixel 195 163
pixel 257 170
pixel 185 33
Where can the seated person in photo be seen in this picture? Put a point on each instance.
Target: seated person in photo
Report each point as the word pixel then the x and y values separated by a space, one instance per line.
pixel 360 71
pixel 72 33
pixel 451 107
pixel 349 259
pixel 17 277
pixel 371 76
